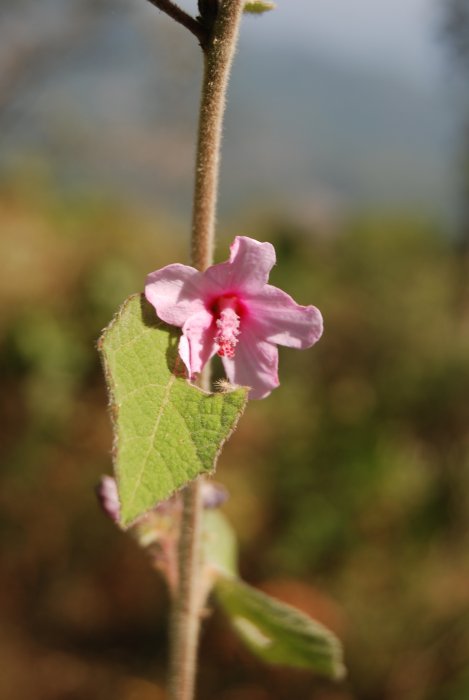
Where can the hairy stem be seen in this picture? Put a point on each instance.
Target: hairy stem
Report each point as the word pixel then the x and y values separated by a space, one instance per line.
pixel 186 613
pixel 218 56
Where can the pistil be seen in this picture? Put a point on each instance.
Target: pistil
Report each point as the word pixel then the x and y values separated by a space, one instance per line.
pixel 227 323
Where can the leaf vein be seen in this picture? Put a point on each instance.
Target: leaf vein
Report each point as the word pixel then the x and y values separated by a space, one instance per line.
pixel 164 403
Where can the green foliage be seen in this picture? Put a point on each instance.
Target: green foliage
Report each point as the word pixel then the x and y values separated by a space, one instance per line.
pixel 275 632
pixel 220 544
pixel 167 431
pixel 279 633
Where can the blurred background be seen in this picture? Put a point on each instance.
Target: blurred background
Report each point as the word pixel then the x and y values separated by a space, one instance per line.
pixel 347 146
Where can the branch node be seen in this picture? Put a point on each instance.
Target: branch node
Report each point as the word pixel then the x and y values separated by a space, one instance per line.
pixel 194 25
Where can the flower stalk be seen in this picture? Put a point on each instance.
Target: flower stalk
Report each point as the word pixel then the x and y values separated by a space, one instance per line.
pixel 218 52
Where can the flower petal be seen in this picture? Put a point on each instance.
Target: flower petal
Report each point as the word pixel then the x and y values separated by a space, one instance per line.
pixel 197 344
pixel 255 365
pixel 248 268
pixel 277 318
pixel 176 291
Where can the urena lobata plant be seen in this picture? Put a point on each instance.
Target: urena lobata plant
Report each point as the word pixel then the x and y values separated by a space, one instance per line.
pixel 169 426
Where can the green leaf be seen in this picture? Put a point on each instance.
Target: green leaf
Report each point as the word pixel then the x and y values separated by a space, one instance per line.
pixel 220 544
pixel 257 7
pixel 279 633
pixel 166 431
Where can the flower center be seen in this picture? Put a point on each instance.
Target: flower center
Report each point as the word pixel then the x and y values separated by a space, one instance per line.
pixel 227 323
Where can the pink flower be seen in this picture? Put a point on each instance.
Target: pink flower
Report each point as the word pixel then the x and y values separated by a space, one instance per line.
pixel 231 310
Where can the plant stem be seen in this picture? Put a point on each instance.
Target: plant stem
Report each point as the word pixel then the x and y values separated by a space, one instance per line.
pixel 218 56
pixel 186 611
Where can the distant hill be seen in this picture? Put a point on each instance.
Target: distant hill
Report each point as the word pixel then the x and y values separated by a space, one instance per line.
pixel 118 111
pixel 308 121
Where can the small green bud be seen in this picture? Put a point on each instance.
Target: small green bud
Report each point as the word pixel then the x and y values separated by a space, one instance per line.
pixel 258 7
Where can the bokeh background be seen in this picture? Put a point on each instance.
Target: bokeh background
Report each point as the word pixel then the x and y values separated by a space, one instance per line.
pixel 347 146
